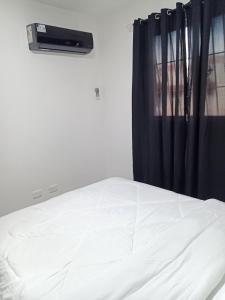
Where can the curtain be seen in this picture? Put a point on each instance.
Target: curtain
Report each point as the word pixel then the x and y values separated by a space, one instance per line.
pixel 178 108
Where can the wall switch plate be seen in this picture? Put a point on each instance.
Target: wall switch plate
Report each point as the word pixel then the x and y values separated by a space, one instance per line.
pixel 37 194
pixel 53 188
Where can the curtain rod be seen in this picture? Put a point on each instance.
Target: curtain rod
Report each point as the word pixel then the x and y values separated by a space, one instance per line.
pixel 130 26
pixel 172 10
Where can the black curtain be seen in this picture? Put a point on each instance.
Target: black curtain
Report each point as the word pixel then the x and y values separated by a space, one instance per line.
pixel 179 99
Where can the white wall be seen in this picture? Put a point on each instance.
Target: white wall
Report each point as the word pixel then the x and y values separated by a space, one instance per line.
pixel 50 123
pixel 116 61
pixel 51 127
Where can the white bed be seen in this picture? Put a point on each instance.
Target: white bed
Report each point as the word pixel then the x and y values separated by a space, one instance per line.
pixel 116 239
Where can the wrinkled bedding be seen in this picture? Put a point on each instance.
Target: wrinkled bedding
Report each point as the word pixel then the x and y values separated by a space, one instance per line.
pixel 116 239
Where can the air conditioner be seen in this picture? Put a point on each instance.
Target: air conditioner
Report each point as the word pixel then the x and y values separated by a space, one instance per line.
pixel 43 37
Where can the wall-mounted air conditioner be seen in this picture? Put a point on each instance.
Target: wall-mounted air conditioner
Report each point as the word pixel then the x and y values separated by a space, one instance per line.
pixel 43 37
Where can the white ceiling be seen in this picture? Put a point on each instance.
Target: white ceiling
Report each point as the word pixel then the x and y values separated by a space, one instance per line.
pixel 96 7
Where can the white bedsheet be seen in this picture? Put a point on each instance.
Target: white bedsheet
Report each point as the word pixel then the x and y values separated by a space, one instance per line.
pixel 113 240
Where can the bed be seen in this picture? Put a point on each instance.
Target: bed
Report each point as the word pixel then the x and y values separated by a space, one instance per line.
pixel 116 239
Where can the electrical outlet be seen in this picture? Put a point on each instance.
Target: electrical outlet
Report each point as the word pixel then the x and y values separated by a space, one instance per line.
pixel 37 194
pixel 53 188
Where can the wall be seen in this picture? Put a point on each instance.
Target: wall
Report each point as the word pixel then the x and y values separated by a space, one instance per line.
pixel 52 129
pixel 116 62
pixel 50 123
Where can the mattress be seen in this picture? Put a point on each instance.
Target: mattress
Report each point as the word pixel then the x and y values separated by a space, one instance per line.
pixel 116 239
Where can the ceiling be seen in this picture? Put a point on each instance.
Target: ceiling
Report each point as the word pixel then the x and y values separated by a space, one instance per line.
pixel 96 7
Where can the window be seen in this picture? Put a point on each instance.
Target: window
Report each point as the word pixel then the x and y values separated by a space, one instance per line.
pixel 215 90
pixel 215 94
